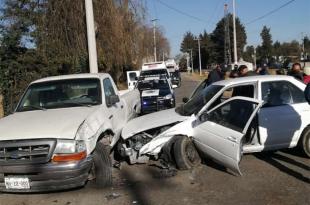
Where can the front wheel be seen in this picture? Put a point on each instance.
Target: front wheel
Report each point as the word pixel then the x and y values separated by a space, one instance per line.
pixel 305 142
pixel 102 167
pixel 185 154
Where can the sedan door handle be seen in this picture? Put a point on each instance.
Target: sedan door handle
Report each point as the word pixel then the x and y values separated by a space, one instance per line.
pixel 110 117
pixel 122 106
pixel 233 139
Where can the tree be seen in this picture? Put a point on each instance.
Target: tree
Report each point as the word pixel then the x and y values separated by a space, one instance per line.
pixel 19 63
pixel 266 49
pixel 248 53
pixel 188 42
pixel 46 37
pixel 218 36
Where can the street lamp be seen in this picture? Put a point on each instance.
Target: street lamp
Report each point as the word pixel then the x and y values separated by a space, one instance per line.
pixel 154 36
pixel 198 39
pixel 235 35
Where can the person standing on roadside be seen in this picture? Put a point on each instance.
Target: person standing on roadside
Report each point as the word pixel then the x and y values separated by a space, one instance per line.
pixel 243 71
pixel 307 75
pixel 296 72
pixel 215 75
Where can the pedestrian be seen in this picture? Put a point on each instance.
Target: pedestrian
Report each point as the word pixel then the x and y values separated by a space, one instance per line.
pixel 215 75
pixel 262 70
pixel 243 71
pixel 234 72
pixel 306 75
pixel 296 71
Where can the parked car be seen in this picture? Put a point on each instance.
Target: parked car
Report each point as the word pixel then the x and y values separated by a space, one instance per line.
pixel 62 132
pixel 175 78
pixel 156 94
pixel 220 121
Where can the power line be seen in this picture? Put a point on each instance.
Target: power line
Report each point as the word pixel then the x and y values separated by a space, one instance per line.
pixel 181 12
pixel 270 12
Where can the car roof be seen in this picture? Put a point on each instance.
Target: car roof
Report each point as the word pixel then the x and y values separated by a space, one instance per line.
pixel 72 76
pixel 253 79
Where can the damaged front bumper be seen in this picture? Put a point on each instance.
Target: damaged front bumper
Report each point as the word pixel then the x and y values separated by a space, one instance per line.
pixel 48 176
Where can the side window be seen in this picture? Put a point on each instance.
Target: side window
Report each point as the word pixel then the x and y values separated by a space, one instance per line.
pixel 242 90
pixel 297 94
pixel 234 114
pixel 108 88
pixel 279 93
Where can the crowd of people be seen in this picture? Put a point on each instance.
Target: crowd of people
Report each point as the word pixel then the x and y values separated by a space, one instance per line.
pixel 242 71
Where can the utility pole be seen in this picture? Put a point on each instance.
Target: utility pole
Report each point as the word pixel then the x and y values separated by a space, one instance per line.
pixel 227 51
pixel 192 65
pixel 91 38
pixel 198 39
pixel 254 57
pixel 154 36
pixel 235 36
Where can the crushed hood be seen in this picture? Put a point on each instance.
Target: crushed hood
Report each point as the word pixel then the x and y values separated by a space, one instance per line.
pixel 51 123
pixel 150 121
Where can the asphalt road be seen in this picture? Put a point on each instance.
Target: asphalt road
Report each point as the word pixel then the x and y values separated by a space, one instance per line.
pixel 281 177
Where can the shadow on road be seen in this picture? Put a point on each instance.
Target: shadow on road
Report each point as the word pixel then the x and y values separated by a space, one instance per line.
pixel 274 160
pixel 151 180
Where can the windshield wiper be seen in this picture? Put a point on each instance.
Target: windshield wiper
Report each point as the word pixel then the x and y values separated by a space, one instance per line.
pixel 81 104
pixel 34 107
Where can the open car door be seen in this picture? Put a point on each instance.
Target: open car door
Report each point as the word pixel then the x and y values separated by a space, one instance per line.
pixel 132 77
pixel 218 133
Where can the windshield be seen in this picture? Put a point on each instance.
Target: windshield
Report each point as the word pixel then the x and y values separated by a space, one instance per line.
pixel 154 72
pixel 153 84
pixel 194 105
pixel 60 94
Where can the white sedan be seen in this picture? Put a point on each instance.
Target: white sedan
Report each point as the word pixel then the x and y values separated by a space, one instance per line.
pixel 222 121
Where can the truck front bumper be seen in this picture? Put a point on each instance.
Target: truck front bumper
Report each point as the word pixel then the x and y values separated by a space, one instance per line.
pixel 49 176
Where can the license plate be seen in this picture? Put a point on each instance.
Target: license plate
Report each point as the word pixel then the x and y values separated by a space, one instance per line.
pixel 16 183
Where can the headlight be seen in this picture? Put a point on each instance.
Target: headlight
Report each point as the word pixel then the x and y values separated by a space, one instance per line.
pixel 169 96
pixel 69 150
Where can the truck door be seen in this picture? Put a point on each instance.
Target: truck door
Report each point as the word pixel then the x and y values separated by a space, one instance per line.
pixel 132 79
pixel 115 111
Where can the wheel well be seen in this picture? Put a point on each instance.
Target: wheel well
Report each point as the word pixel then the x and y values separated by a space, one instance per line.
pixel 303 131
pixel 167 150
pixel 103 137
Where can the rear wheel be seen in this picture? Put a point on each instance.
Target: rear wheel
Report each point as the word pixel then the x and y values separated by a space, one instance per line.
pixel 102 168
pixel 305 141
pixel 185 154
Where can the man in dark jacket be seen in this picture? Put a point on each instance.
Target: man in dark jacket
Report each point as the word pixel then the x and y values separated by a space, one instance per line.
pixel 243 71
pixel 215 75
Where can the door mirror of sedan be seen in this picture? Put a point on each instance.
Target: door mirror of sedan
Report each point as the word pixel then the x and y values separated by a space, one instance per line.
pixel 112 100
pixel 185 99
pixel 203 117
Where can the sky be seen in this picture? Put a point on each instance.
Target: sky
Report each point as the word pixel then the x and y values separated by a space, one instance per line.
pixel 286 24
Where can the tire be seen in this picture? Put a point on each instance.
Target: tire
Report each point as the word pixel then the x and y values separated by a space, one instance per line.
pixel 185 154
pixel 102 166
pixel 305 142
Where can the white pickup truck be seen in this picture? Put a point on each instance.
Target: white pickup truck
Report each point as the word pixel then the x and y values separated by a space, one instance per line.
pixel 62 133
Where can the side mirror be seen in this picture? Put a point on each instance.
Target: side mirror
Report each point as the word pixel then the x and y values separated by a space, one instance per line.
pixel 112 100
pixel 174 86
pixel 185 100
pixel 203 117
pixel 136 78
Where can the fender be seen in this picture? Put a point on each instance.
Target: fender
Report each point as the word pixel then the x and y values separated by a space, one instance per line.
pixel 92 128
